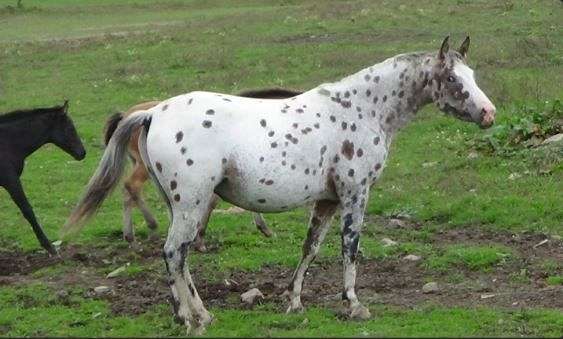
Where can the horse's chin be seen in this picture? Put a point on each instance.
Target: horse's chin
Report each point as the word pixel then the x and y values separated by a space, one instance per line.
pixel 485 126
pixel 79 155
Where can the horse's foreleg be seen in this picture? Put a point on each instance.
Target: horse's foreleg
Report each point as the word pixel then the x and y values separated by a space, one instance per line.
pixel 261 225
pixel 352 219
pixel 319 224
pixel 15 189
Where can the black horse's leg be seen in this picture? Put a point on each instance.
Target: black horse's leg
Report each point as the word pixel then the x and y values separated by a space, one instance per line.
pixel 14 187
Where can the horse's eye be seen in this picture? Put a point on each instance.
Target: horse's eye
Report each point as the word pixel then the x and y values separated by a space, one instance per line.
pixel 451 79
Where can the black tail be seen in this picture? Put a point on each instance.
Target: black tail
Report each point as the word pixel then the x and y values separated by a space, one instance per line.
pixel 111 126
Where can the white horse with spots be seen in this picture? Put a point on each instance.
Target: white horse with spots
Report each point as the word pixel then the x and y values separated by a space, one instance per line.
pixel 325 146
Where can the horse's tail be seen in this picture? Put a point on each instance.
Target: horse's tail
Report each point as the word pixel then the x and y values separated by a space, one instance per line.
pixel 107 174
pixel 111 126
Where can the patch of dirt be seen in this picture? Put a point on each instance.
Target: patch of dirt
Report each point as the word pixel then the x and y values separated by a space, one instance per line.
pixel 18 262
pixel 390 281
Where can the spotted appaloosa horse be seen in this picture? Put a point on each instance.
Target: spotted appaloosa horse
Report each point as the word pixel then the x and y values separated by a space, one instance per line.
pixel 133 185
pixel 325 146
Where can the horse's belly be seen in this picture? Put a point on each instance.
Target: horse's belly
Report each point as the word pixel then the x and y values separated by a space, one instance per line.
pixel 271 198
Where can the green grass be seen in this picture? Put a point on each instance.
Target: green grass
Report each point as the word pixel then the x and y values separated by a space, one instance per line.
pixel 106 56
pixel 472 257
pixel 555 280
pixel 33 311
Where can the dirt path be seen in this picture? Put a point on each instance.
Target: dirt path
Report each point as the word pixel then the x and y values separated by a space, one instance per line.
pixel 391 281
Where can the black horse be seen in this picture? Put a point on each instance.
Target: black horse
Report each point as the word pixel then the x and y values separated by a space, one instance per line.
pixel 23 132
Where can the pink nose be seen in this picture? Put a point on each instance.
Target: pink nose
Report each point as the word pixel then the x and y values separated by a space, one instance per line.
pixel 488 116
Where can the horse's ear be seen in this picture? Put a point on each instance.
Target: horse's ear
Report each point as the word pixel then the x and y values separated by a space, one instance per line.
pixel 65 107
pixel 444 48
pixel 464 47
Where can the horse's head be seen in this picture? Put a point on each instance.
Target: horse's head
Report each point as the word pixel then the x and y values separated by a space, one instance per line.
pixel 454 89
pixel 64 135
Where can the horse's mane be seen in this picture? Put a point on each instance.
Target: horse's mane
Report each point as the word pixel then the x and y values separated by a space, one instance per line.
pixel 26 114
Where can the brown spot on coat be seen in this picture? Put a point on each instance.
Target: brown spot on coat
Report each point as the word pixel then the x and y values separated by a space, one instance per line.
pixel 177 197
pixel 159 166
pixel 179 136
pixel 173 185
pixel 348 149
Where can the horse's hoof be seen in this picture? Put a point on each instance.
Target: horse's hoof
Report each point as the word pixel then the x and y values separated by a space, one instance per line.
pixel 130 238
pixel 295 308
pixel 201 324
pixel 360 312
pixel 200 247
pixel 52 251
pixel 267 232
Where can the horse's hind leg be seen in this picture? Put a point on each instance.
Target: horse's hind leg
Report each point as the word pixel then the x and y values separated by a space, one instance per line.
pixel 199 244
pixel 261 225
pixel 189 200
pixel 188 305
pixel 133 187
pixel 14 187
pixel 128 232
pixel 319 224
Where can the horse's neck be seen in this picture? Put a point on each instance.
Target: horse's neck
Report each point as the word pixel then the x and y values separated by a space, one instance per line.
pixel 386 95
pixel 28 135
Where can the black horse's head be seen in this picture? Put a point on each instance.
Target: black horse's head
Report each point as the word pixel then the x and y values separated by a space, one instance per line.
pixel 64 135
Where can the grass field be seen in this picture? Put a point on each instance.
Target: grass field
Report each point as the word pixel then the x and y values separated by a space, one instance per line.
pixel 473 204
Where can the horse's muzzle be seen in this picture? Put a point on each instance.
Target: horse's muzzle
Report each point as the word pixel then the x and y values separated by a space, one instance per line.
pixel 487 117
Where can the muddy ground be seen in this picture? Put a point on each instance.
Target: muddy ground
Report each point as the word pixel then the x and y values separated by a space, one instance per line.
pixel 392 281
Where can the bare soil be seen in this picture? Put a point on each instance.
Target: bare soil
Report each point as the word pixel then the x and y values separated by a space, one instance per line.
pixel 391 281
